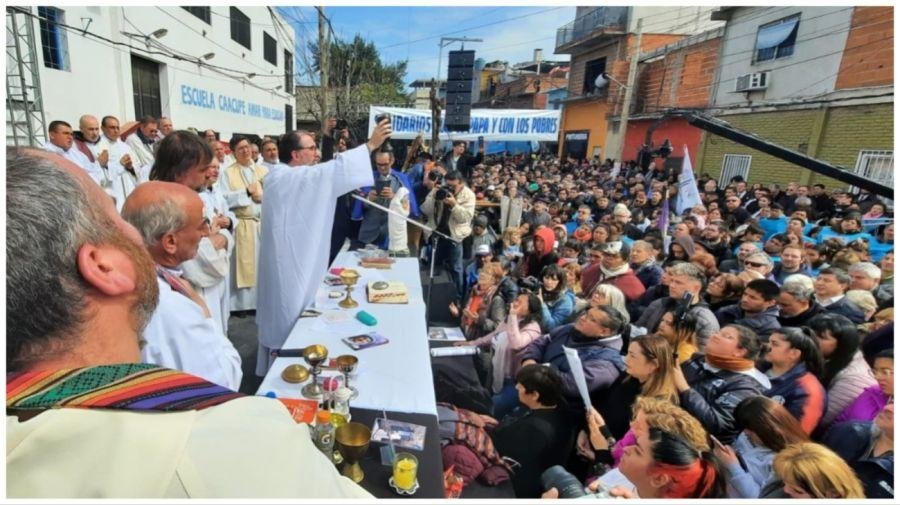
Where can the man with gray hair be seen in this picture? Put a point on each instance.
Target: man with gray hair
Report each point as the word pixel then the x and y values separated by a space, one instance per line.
pixel 760 262
pixel 686 282
pixel 117 427
pixel 796 303
pixel 867 277
pixel 181 334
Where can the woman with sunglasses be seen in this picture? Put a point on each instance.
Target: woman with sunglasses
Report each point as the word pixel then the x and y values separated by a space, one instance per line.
pixel 797 365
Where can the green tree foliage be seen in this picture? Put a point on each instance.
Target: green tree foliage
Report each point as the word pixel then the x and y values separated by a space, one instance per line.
pixel 358 78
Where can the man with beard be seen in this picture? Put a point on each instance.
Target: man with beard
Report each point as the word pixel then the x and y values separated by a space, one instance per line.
pixel 269 154
pixel 119 427
pixel 181 334
pixel 298 215
pixel 791 263
pixel 713 242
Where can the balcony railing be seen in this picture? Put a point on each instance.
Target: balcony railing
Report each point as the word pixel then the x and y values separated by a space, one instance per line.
pixel 601 18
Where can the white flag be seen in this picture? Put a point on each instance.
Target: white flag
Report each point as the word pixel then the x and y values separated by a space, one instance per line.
pixel 688 195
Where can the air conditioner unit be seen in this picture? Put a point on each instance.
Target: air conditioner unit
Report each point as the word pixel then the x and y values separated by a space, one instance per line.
pixel 751 82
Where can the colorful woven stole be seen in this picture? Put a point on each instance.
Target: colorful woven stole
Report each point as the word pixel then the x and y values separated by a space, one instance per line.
pixel 132 386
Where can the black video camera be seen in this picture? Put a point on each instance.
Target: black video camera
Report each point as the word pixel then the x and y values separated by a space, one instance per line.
pixel 442 192
pixel 530 284
pixel 435 177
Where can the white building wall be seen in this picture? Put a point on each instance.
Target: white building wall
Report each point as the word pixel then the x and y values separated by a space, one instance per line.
pixel 811 70
pixel 99 81
pixel 680 20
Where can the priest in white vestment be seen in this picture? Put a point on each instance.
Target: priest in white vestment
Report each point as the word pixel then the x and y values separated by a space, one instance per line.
pixel 242 186
pixel 62 142
pixel 298 213
pixel 181 333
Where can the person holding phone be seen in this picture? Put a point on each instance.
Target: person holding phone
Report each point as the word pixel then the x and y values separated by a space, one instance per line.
pixel 373 228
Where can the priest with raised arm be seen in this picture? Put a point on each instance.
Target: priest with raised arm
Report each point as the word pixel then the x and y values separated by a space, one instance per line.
pixel 297 217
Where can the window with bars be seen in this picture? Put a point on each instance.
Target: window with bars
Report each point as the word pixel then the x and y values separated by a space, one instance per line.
pixel 270 49
pixel 202 13
pixel 733 165
pixel 288 72
pixel 240 27
pixel 777 39
pixel 54 43
pixel 876 165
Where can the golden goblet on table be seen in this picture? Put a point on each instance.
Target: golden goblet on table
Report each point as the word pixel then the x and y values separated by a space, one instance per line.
pixel 349 278
pixel 314 355
pixel 347 364
pixel 352 440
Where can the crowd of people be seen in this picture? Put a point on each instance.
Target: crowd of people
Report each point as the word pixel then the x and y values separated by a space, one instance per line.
pixel 738 349
pixel 742 348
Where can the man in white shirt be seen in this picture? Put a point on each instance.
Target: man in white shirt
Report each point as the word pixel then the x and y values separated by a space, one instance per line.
pixel 298 213
pixel 61 141
pixel 85 339
pixel 181 334
pixel 142 140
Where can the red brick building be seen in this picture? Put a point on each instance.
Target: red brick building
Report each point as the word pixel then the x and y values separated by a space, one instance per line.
pixel 678 75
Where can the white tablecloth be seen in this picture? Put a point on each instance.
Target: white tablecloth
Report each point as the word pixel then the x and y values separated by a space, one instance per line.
pixel 395 376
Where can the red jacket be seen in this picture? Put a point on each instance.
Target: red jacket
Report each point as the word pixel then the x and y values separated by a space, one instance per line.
pixel 628 284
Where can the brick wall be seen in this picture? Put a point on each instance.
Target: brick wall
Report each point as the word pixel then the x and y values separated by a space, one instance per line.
pixel 835 135
pixel 682 78
pixel 868 59
pixel 617 56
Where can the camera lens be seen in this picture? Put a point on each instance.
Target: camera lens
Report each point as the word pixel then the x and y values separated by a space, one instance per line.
pixel 566 483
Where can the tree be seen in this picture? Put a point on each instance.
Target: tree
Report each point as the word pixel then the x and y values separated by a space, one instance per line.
pixel 358 79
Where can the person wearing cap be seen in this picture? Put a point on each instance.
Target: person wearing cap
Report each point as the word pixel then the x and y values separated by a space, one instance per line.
pixel 482 234
pixel 483 256
pixel 615 270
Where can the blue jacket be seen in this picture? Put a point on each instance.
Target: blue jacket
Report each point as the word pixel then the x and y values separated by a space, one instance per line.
pixel 357 214
pixel 801 393
pixel 763 323
pixel 557 312
pixel 601 359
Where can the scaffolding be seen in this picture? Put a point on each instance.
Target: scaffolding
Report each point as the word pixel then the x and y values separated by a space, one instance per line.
pixel 24 106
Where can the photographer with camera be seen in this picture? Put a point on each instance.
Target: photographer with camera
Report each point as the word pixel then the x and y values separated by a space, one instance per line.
pixel 450 208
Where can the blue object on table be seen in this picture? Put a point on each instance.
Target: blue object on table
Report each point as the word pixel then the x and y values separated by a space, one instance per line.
pixel 366 318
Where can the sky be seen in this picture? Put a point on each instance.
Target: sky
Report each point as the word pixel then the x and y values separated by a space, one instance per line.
pixel 413 33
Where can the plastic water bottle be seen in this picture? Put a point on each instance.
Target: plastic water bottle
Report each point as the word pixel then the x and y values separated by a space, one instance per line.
pixel 323 434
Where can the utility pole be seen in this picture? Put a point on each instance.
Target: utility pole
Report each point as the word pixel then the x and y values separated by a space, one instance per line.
pixel 324 53
pixel 616 152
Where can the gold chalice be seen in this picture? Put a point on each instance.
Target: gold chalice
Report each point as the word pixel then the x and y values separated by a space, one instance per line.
pixel 314 355
pixel 349 278
pixel 347 364
pixel 352 441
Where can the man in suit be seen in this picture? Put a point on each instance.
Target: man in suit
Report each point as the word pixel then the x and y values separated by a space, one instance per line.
pixel 830 286
pixel 459 160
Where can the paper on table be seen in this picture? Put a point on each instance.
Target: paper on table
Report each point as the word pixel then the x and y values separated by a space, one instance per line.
pixel 445 334
pixel 578 375
pixel 454 351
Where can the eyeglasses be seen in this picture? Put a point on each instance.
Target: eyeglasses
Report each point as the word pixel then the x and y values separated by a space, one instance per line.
pixel 311 148
pixel 754 264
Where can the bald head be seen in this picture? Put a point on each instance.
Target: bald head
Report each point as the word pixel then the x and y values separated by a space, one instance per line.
pixel 169 217
pixel 90 127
